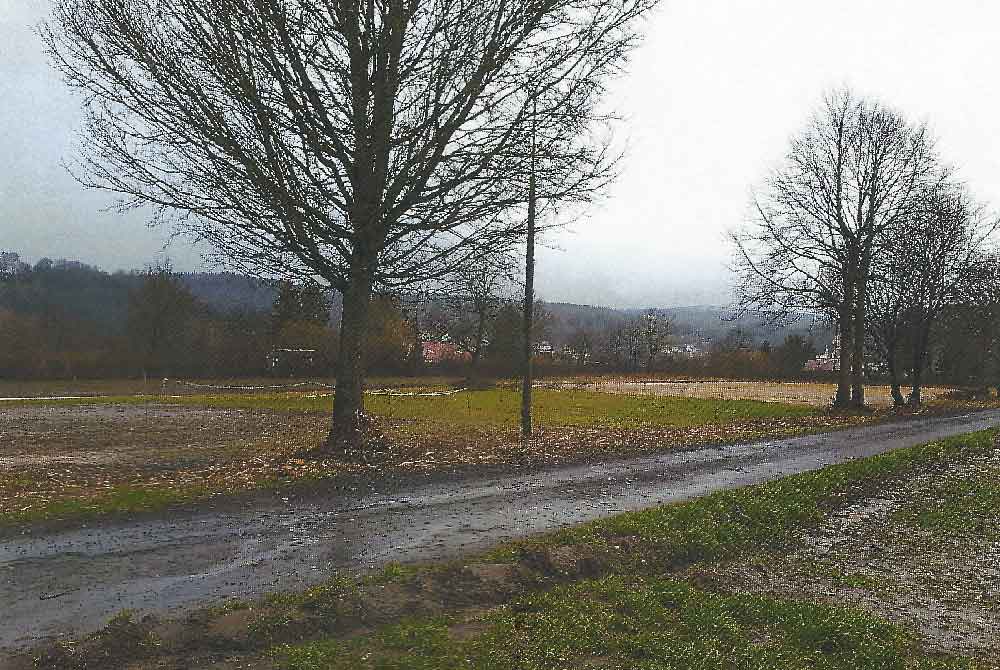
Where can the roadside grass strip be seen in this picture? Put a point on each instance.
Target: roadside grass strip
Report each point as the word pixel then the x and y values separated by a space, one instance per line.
pixel 636 623
pixel 633 614
pixel 766 517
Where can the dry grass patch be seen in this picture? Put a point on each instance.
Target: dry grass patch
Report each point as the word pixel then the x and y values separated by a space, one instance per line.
pixel 816 394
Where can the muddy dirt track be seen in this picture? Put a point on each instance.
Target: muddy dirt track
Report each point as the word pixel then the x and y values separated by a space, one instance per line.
pixel 71 581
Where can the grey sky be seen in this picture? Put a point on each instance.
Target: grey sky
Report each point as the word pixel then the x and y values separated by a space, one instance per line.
pixel 709 104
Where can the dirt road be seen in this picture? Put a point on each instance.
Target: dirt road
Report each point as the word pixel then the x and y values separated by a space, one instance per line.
pixel 71 582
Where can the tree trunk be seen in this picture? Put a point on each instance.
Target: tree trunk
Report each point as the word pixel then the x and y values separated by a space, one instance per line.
pixel 919 360
pixel 844 373
pixel 346 438
pixel 916 385
pixel 529 293
pixel 897 392
pixel 417 354
pixel 858 354
pixel 529 315
pixel 477 351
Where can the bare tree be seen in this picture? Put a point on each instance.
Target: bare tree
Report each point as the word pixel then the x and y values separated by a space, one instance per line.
pixel 887 306
pixel 655 330
pixel 856 169
pixel 159 309
pixel 930 261
pixel 371 144
pixel 893 164
pixel 797 254
pixel 11 265
pixel 625 345
pixel 481 291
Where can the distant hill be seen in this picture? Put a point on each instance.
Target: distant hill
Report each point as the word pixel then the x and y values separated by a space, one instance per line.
pixel 710 322
pixel 90 294
pixel 227 292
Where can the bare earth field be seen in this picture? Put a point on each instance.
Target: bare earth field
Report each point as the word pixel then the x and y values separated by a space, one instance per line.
pixel 67 459
pixel 151 386
pixel 811 393
pixel 118 452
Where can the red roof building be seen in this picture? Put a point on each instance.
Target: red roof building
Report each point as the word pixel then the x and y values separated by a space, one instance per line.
pixel 440 352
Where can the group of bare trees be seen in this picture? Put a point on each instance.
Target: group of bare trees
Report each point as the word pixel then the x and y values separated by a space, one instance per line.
pixel 864 223
pixel 364 144
pixel 638 343
pixel 467 305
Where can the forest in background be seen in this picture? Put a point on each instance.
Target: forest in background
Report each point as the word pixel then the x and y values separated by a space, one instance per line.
pixel 66 319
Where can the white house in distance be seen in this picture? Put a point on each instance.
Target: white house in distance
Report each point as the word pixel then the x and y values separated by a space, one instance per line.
pixel 829 360
pixel 543 348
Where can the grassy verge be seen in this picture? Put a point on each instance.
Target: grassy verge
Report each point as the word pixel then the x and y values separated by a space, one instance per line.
pixel 618 593
pixel 117 500
pixel 496 407
pixel 621 622
pixel 633 614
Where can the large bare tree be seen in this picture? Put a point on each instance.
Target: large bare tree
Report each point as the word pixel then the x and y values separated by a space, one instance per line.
pixel 892 164
pixel 857 168
pixel 368 144
pixel 799 253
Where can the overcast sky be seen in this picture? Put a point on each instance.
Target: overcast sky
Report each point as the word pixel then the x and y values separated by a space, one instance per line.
pixel 709 102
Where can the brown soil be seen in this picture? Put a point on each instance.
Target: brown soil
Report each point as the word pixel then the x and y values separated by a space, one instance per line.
pixel 59 452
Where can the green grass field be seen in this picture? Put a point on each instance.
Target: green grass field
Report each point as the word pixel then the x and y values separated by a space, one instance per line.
pixel 496 407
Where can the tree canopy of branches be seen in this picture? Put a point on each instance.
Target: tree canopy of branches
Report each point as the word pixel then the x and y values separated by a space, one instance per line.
pixel 928 262
pixel 370 143
pixel 158 311
pixel 479 293
pixel 969 333
pixel 855 171
pixel 294 303
pixel 655 332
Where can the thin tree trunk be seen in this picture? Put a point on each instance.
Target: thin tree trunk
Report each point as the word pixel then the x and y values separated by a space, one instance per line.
pixel 916 384
pixel 844 373
pixel 529 316
pixel 477 352
pixel 417 355
pixel 897 392
pixel 919 361
pixel 529 294
pixel 348 408
pixel 858 355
